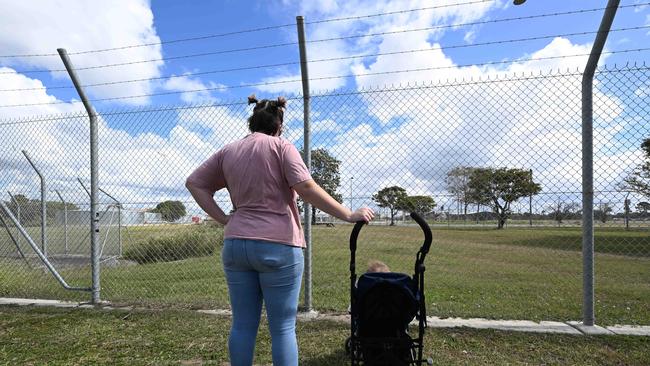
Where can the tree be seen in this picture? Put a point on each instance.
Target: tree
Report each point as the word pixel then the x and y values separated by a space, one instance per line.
pixel 170 210
pixel 639 179
pixel 499 188
pixel 603 211
pixel 643 207
pixel 420 204
pixel 390 197
pixel 563 210
pixel 22 200
pixel 325 172
pixel 30 209
pixel 458 185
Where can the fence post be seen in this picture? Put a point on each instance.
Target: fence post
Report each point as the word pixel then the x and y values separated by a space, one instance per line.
pixel 530 203
pixel 626 206
pixel 65 220
pixel 588 317
pixel 94 179
pixel 307 149
pixel 43 204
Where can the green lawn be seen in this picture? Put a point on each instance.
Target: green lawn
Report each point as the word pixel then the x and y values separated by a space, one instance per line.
pixel 46 336
pixel 516 273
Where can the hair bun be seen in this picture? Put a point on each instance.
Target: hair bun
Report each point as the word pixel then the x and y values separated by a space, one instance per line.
pixel 252 99
pixel 282 102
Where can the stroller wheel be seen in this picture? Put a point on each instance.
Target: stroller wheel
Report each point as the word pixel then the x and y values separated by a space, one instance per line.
pixel 348 345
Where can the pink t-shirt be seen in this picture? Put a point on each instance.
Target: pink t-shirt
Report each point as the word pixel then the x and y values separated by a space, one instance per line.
pixel 258 171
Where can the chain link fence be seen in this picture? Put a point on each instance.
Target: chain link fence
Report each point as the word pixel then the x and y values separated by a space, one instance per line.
pixel 445 150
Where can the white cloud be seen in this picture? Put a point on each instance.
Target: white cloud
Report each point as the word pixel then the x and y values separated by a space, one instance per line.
pixel 326 125
pixel 13 80
pixel 283 82
pixel 510 121
pixel 640 8
pixel 623 40
pixel 144 167
pixel 81 26
pixel 469 36
pixel 323 9
pixel 220 124
pixel 193 89
pixel 412 138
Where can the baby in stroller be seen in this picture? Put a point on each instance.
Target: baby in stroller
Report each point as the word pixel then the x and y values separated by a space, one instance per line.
pixel 375 266
pixel 383 303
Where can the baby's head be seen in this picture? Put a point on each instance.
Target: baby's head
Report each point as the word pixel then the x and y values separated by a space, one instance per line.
pixel 377 266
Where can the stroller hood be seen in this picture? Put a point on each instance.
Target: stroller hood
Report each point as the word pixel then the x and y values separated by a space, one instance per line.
pixel 388 298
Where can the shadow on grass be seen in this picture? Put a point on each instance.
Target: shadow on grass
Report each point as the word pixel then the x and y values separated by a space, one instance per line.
pixel 338 357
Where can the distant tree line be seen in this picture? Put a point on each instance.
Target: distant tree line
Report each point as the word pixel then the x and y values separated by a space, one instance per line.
pixel 29 210
pixel 491 189
pixel 396 199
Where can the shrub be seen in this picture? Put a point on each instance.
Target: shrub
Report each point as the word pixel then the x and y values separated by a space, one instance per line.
pixel 197 243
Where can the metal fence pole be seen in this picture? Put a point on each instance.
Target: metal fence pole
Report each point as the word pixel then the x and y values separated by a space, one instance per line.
pixel 305 95
pixel 40 254
pixel 11 236
pixel 84 187
pixel 94 180
pixel 43 204
pixel 530 203
pixel 588 317
pixel 17 205
pixel 65 221
pixel 626 207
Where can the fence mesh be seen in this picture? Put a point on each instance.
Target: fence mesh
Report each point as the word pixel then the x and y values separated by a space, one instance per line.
pixel 446 150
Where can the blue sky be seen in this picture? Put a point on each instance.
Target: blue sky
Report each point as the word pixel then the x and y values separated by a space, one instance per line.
pixel 178 20
pixel 359 122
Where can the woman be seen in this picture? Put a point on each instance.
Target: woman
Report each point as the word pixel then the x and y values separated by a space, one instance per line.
pixel 262 254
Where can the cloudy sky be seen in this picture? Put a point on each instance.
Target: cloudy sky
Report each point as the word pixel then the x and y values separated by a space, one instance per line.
pixel 141 55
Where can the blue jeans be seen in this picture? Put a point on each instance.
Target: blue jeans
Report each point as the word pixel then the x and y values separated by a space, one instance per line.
pixel 255 271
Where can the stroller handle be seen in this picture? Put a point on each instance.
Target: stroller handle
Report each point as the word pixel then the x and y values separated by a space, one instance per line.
pixel 428 237
pixel 355 235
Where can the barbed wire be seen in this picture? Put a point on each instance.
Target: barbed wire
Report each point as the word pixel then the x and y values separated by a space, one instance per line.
pixel 196 38
pixel 331 59
pixel 277 45
pixel 423 85
pixel 479 80
pixel 203 54
pixel 321 78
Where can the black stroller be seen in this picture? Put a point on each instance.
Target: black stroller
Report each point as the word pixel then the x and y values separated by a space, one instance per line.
pixel 382 306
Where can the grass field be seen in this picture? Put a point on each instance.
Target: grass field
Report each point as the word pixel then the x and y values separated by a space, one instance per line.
pixel 516 273
pixel 39 336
